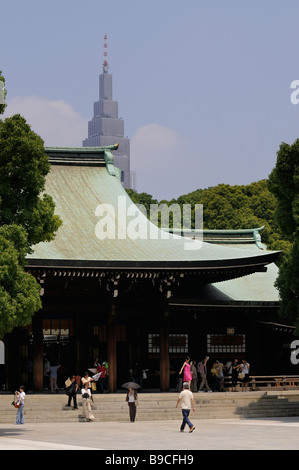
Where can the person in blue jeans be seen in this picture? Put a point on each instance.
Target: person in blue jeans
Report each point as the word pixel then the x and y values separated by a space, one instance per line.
pixel 187 402
pixel 20 397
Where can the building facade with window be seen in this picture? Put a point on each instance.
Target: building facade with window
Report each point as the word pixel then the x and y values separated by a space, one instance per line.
pixel 127 298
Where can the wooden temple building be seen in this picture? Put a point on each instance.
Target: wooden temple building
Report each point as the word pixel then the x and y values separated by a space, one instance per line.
pixel 147 300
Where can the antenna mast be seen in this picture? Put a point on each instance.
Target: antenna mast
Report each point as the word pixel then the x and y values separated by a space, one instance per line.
pixel 105 63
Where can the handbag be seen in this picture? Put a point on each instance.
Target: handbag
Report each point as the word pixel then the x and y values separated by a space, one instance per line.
pixel 68 383
pixel 241 376
pixel 17 405
pixel 70 391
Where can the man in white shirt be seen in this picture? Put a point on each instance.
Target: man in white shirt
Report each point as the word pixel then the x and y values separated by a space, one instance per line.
pixel 187 402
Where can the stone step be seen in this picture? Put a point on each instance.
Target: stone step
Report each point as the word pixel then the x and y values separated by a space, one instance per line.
pixel 112 407
pixel 150 417
pixel 151 405
pixel 226 396
pixel 107 407
pixel 148 407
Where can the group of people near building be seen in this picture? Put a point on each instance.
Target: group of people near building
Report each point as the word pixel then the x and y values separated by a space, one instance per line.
pixel 189 375
pixel 55 374
pixel 193 373
pixel 76 384
pixel 185 398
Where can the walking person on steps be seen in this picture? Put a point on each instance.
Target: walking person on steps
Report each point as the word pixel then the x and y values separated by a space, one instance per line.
pixel 187 402
pixel 132 400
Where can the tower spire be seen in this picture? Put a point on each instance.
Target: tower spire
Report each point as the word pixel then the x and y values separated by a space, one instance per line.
pixel 105 63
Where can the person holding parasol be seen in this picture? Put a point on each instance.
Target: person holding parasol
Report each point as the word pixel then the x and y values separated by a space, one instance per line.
pixel 132 398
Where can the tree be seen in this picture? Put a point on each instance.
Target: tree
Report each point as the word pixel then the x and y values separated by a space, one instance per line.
pixel 233 208
pixel 284 184
pixel 26 218
pixel 142 199
pixel 23 168
pixel 19 291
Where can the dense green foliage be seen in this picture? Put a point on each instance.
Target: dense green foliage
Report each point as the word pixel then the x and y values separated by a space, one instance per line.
pixel 284 184
pixel 233 207
pixel 23 168
pixel 19 291
pixel 26 218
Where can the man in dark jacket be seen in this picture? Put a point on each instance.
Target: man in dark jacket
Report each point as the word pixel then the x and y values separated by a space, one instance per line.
pixel 71 392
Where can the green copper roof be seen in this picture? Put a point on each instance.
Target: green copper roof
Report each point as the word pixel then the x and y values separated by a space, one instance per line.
pixel 258 287
pixel 82 179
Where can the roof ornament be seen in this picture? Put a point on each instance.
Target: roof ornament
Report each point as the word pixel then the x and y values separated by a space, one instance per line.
pixel 109 160
pixel 105 63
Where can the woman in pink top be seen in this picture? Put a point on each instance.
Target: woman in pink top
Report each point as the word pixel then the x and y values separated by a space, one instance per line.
pixel 187 372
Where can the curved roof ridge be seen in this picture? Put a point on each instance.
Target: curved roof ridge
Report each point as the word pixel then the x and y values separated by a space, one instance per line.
pixel 86 195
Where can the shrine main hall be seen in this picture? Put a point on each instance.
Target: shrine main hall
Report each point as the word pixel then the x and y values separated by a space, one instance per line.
pixel 145 300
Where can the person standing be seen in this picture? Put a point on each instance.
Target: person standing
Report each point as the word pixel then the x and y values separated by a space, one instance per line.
pixel 219 368
pixel 86 401
pixel 86 379
pixel 187 402
pixel 131 399
pixel 71 392
pixel 218 377
pixel 194 377
pixel 245 370
pixel 53 378
pixel 102 379
pixel 20 396
pixel 187 373
pixel 202 369
pixel 235 373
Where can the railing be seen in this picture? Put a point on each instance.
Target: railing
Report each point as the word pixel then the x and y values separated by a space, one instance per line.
pixel 259 382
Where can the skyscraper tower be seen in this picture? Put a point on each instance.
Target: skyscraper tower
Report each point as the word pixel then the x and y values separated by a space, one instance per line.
pixel 106 128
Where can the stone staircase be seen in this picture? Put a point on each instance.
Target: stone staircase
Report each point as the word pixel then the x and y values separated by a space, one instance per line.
pixel 154 406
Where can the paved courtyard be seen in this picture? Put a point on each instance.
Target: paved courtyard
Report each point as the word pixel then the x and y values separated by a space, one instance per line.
pixel 213 434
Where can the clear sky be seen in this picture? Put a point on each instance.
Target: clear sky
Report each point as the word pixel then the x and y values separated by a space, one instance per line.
pixel 203 87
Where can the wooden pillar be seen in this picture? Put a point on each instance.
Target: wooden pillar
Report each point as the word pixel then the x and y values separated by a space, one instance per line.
pixel 37 331
pixel 164 352
pixel 112 360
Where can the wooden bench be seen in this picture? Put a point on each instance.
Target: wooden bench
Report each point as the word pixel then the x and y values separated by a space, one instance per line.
pixel 286 381
pixel 257 382
pixel 282 381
